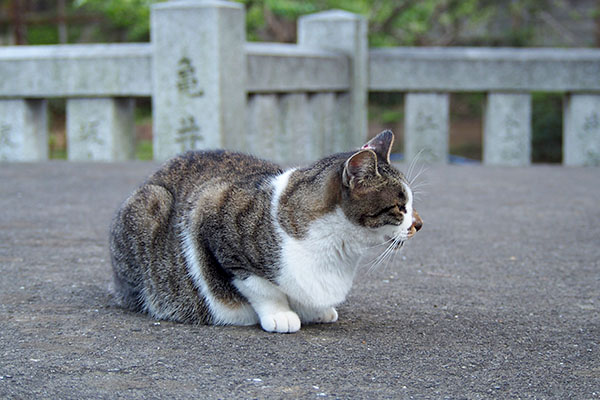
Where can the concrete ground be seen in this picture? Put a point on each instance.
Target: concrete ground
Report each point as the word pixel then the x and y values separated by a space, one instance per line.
pixel 497 297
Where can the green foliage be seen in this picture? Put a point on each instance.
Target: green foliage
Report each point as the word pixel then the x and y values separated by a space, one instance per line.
pixel 391 22
pixel 56 152
pixel 43 34
pixel 143 150
pixel 132 17
pixel 546 116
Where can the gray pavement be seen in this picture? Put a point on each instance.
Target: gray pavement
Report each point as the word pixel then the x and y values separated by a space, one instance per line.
pixel 497 297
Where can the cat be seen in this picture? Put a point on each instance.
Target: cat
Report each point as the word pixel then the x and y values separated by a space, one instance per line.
pixel 224 238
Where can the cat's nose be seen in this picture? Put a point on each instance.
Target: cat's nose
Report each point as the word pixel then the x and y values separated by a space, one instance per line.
pixel 417 221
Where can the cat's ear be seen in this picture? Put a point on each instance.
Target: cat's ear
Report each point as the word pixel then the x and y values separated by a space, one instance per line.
pixel 382 144
pixel 359 166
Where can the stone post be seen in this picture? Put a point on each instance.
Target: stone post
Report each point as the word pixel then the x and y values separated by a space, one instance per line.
pixel 344 32
pixel 507 129
pixel 426 127
pixel 199 70
pixel 100 129
pixel 581 132
pixel 23 130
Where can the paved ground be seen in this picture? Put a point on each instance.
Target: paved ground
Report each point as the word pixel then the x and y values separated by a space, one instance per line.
pixel 497 297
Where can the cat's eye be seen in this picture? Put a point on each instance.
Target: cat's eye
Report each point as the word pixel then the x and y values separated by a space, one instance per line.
pixel 385 210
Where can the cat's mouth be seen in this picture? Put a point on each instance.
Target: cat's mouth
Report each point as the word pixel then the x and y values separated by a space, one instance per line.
pixel 416 225
pixel 412 231
pixel 398 241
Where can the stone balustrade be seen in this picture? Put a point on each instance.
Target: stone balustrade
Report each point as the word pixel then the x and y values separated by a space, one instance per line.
pixel 508 76
pixel 289 103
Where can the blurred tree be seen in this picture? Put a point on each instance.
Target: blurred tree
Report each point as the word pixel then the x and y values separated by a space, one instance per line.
pixel 128 20
pixel 391 22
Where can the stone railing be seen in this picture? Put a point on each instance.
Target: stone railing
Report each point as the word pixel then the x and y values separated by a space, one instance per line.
pixel 288 103
pixel 99 82
pixel 508 76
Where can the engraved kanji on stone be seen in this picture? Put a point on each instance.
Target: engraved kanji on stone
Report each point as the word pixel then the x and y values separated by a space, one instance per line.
pixel 590 128
pixel 512 135
pixel 592 122
pixel 186 78
pixel 88 132
pixel 188 134
pixel 426 122
pixel 5 139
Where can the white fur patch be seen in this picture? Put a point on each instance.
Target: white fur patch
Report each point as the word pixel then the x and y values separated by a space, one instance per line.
pixel 408 218
pixel 317 271
pixel 222 314
pixel 280 182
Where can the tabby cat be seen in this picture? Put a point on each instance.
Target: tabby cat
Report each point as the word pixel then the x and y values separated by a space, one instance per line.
pixel 222 238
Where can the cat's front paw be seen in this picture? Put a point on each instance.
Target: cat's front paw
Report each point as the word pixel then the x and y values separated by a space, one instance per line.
pixel 326 316
pixel 281 322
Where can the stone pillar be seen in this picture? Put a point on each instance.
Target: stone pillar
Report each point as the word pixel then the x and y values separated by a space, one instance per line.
pixel 426 127
pixel 507 129
pixel 344 32
pixel 198 75
pixel 581 132
pixel 100 129
pixel 23 130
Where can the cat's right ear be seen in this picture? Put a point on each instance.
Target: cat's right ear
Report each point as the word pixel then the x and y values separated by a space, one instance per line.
pixel 359 166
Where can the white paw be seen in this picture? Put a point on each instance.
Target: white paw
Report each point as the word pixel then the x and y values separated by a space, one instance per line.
pixel 327 316
pixel 281 322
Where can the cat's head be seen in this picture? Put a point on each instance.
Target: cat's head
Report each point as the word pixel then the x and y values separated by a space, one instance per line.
pixel 376 195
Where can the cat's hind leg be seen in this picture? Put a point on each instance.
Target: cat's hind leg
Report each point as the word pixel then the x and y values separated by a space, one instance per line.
pixel 141 220
pixel 270 303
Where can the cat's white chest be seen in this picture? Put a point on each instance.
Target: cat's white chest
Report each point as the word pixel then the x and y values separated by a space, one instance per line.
pixel 318 270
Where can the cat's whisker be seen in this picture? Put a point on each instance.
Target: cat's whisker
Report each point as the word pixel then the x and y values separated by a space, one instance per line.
pixel 412 165
pixel 380 244
pixel 421 171
pixel 400 250
pixel 390 245
pixel 418 194
pixel 381 257
pixel 420 184
pixel 391 256
pixel 396 247
pixel 388 255
pixel 420 190
pixel 374 261
pixel 377 259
